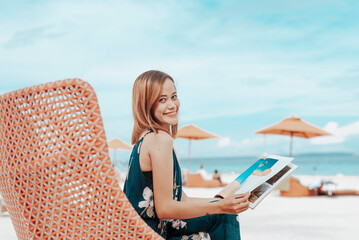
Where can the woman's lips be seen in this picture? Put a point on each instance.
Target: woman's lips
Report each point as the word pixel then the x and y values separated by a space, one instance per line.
pixel 171 114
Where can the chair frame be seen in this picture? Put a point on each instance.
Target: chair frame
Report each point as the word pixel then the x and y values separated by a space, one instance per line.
pixel 56 177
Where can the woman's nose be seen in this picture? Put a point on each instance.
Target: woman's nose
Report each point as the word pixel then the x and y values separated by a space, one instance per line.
pixel 171 104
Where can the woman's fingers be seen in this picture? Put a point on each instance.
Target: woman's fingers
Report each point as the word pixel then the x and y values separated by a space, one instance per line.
pixel 236 203
pixel 242 195
pixel 242 207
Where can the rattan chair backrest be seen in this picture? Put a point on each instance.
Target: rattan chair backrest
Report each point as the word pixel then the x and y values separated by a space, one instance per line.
pixel 56 177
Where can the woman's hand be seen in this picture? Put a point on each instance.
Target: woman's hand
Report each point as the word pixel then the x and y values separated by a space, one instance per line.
pixel 234 204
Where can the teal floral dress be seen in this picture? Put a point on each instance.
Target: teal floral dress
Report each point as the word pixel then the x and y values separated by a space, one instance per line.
pixel 139 190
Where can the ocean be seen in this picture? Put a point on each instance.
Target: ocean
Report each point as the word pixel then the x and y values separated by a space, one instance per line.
pixel 308 164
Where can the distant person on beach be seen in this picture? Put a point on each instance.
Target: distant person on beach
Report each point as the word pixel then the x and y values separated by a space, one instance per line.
pixel 345 192
pixel 154 183
pixel 216 176
pixel 202 172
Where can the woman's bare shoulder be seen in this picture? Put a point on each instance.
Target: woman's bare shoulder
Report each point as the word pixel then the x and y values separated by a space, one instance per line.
pixel 158 140
pixel 161 138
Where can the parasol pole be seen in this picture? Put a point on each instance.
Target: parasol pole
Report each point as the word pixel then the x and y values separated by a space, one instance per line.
pixel 189 155
pixel 291 144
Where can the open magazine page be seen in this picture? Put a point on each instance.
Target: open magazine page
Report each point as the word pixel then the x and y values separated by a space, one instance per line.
pixel 261 171
pixel 260 178
pixel 265 188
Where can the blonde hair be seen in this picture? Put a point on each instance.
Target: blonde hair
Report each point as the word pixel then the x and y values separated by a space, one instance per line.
pixel 145 94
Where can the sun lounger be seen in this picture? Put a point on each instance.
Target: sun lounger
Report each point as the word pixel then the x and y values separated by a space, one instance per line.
pixel 296 189
pixel 56 177
pixel 196 180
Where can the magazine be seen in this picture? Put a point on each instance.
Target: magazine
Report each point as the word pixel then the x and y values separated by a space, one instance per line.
pixel 260 178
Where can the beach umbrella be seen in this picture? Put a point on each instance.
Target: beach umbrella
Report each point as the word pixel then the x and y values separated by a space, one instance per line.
pixel 193 132
pixel 293 127
pixel 116 144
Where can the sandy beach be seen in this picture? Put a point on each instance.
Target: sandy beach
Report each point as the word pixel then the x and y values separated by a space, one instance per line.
pixel 299 218
pixel 284 218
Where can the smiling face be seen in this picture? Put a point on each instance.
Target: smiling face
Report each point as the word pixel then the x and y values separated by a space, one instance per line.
pixel 166 109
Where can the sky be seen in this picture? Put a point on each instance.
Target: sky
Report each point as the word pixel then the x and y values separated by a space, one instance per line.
pixel 238 65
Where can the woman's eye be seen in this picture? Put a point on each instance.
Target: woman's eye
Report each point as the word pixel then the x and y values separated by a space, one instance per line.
pixel 162 100
pixel 174 97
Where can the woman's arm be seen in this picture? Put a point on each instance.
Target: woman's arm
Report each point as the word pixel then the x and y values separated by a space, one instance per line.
pixel 166 208
pixel 185 198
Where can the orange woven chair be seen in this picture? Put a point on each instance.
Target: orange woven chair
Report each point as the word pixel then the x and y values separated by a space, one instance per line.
pixel 56 177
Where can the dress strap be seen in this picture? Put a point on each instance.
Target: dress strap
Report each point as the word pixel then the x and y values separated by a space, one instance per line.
pixel 141 139
pixel 149 131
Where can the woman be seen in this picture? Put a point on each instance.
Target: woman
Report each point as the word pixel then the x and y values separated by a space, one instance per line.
pixel 154 184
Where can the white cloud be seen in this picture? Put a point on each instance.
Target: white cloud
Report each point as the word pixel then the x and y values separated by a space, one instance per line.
pixel 255 145
pixel 328 139
pixel 339 134
pixel 350 129
pixel 223 142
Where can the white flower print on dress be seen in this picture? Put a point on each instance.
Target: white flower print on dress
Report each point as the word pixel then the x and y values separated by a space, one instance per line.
pixel 177 224
pixel 197 236
pixel 147 203
pixel 162 225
